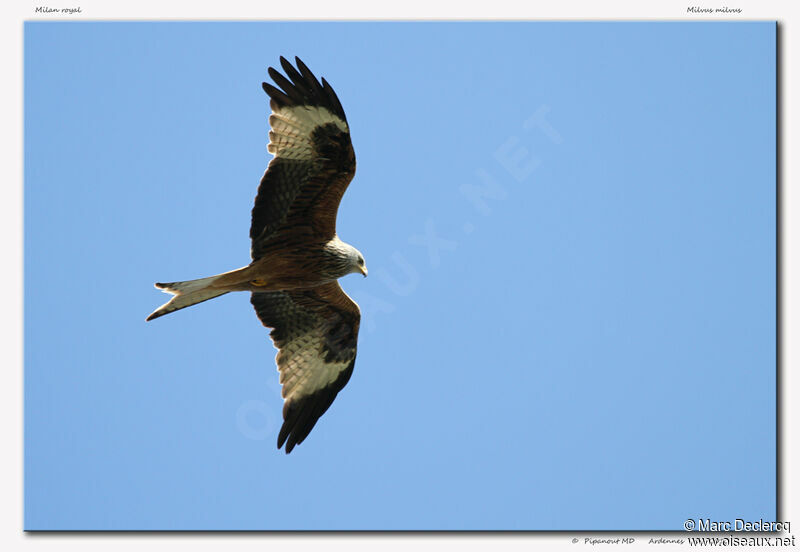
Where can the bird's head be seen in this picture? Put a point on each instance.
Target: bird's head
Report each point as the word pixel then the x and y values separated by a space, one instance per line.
pixel 350 259
pixel 359 264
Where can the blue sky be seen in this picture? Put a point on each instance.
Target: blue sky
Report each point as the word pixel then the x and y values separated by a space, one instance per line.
pixel 570 317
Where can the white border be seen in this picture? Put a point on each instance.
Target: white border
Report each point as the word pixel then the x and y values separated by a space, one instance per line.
pixel 11 35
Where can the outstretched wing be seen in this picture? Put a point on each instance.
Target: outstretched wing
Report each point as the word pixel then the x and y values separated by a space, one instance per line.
pixel 316 332
pixel 313 165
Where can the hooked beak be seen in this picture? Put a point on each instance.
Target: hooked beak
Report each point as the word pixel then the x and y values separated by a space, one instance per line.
pixel 363 270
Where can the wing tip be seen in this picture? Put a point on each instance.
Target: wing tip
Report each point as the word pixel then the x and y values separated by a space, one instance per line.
pixel 302 88
pixel 282 439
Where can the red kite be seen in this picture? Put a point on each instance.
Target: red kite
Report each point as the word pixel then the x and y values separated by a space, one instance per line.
pixel 297 256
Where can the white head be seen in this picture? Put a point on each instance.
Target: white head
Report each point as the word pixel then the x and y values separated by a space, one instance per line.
pixel 357 263
pixel 349 260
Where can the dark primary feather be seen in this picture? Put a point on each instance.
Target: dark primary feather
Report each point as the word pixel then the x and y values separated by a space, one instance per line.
pixel 291 90
pixel 301 415
pixel 322 321
pixel 278 97
pixel 303 192
pixel 309 77
pixel 333 99
pixel 303 88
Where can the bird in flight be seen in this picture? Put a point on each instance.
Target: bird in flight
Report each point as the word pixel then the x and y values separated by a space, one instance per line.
pixel 297 257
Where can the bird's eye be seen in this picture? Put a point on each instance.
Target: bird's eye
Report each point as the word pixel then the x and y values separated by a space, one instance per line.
pixel 361 261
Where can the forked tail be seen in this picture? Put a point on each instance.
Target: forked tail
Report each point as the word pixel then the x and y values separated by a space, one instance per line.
pixel 187 294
